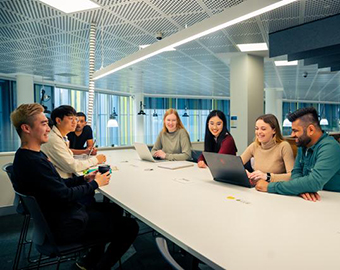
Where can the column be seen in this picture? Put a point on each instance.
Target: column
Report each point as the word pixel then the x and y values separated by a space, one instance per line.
pixel 25 89
pixel 246 97
pixel 274 102
pixel 138 119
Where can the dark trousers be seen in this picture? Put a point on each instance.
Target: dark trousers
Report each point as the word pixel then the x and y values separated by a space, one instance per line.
pixel 107 223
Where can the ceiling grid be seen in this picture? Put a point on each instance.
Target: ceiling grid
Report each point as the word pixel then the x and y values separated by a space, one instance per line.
pixel 38 39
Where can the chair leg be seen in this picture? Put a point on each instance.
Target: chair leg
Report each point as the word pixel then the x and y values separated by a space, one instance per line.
pixel 58 263
pixel 39 261
pixel 21 241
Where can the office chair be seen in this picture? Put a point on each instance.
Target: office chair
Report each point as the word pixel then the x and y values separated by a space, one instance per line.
pixel 43 239
pixel 163 248
pixel 195 154
pixel 8 168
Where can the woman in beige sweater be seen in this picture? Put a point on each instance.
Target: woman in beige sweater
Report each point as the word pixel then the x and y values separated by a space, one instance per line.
pixel 273 157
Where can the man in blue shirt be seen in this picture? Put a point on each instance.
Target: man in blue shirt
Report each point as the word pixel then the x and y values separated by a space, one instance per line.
pixel 317 165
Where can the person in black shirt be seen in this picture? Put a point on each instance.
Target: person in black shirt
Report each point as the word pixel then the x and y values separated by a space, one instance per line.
pixel 81 136
pixel 69 220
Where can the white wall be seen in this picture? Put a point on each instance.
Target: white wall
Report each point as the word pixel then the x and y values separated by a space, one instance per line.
pixel 6 190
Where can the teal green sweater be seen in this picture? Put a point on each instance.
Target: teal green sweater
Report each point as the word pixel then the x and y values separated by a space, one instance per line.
pixel 315 168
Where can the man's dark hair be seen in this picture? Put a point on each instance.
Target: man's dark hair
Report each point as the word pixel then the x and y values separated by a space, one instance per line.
pixel 81 114
pixel 61 112
pixel 307 116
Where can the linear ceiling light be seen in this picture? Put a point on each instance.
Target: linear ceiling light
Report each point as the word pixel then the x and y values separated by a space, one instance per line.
pixel 68 6
pixel 285 63
pixel 228 17
pixel 141 47
pixel 253 47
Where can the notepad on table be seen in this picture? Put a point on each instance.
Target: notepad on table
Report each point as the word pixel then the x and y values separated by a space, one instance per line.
pixel 174 165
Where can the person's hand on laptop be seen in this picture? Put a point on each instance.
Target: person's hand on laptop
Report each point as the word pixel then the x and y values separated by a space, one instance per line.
pixel 262 185
pixel 201 164
pixel 311 196
pixel 257 175
pixel 159 154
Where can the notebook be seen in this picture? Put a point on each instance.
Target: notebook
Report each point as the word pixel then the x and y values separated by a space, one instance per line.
pixel 174 165
pixel 227 169
pixel 144 152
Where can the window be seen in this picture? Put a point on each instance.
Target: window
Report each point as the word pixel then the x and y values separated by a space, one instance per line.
pixel 196 109
pixel 329 111
pixel 9 140
pixel 104 104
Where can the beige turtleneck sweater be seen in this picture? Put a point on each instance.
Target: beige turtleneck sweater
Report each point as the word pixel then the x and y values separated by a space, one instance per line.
pixel 271 157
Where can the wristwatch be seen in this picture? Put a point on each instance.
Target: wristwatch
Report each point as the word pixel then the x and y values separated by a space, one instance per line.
pixel 268 177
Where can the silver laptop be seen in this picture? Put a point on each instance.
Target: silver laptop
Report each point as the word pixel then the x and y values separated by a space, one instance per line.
pixel 227 168
pixel 144 152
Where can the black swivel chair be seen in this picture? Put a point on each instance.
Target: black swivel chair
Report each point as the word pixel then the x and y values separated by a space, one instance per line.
pixel 8 168
pixel 43 239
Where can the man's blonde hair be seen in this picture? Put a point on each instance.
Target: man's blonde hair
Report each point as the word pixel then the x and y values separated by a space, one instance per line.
pixel 25 114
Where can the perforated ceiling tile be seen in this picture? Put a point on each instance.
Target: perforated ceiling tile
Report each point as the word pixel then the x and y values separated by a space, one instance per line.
pixel 170 7
pixel 221 4
pixel 319 9
pixel 189 19
pixel 33 34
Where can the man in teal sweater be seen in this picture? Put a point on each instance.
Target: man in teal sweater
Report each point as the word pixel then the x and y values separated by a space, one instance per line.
pixel 317 165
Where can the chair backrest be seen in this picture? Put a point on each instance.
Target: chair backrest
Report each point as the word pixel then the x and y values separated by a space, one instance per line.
pixel 42 233
pixel 195 154
pixel 8 168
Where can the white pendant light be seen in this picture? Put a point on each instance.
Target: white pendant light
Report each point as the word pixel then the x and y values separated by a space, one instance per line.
pixel 287 123
pixel 113 121
pixel 324 122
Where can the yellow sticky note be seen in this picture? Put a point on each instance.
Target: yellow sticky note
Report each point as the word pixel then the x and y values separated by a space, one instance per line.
pixel 231 198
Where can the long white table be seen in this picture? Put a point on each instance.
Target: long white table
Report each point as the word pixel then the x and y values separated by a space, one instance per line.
pixel 253 231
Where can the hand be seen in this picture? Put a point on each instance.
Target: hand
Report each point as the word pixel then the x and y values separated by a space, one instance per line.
pixel 252 182
pixel 311 196
pixel 201 164
pixel 94 151
pixel 262 185
pixel 101 158
pixel 159 154
pixel 102 179
pixel 257 175
pixel 90 177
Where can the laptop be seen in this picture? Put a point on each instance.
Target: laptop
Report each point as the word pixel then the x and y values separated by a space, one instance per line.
pixel 227 169
pixel 144 152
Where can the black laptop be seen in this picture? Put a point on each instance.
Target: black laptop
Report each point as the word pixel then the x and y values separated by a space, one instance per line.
pixel 227 169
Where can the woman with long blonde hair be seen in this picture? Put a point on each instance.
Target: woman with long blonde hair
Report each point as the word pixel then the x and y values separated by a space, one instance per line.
pixel 173 142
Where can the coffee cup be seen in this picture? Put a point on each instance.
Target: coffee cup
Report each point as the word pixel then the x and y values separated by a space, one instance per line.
pixel 104 168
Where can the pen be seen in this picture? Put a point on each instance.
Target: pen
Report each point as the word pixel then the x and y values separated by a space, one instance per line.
pixel 94 143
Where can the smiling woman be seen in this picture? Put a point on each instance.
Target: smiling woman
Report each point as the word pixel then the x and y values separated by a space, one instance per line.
pixel 273 157
pixel 173 142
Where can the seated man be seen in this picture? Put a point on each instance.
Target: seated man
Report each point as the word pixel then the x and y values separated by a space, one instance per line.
pixel 81 136
pixel 57 148
pixel 317 165
pixel 35 175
